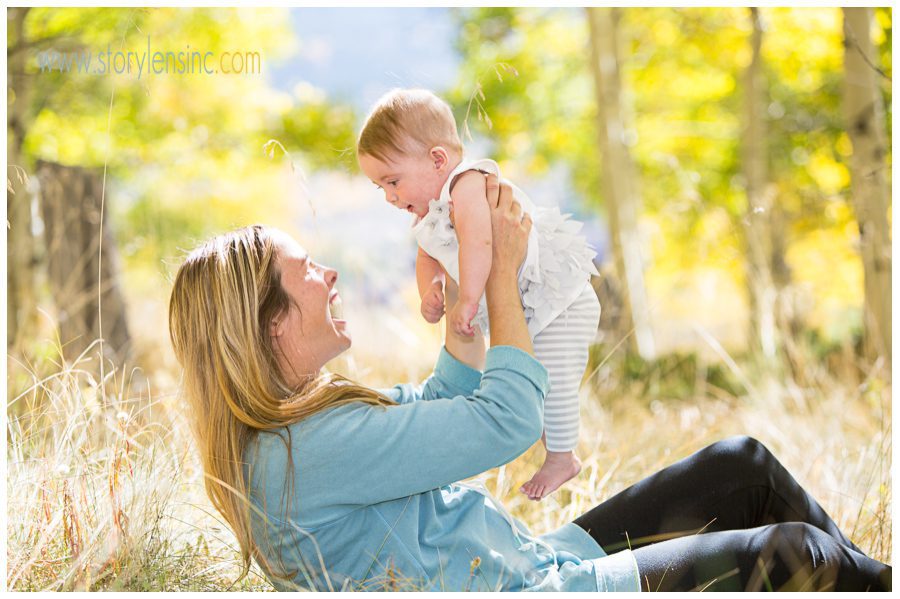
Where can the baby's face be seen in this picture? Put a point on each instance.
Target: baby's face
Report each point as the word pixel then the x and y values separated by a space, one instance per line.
pixel 409 182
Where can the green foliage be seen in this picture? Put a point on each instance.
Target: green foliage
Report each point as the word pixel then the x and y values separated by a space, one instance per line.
pixel 185 150
pixel 324 133
pixel 679 376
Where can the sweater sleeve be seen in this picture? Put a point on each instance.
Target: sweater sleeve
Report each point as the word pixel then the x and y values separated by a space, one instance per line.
pixel 359 454
pixel 449 379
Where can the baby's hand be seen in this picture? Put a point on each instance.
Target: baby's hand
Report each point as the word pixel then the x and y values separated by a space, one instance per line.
pixel 460 318
pixel 433 304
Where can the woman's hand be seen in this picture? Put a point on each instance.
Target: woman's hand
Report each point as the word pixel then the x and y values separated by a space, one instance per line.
pixel 509 229
pixel 510 244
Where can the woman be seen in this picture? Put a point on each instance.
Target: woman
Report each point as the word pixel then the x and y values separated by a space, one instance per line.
pixel 332 485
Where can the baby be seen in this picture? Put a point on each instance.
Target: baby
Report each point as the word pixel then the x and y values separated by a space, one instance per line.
pixel 410 148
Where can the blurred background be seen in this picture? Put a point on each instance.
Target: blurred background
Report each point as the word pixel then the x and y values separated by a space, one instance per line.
pixel 731 166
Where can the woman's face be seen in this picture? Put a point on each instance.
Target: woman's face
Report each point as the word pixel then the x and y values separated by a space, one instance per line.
pixel 306 336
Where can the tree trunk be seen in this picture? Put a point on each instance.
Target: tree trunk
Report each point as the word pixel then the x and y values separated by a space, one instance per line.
pixel 20 246
pixel 864 111
pixel 619 179
pixel 84 287
pixel 757 222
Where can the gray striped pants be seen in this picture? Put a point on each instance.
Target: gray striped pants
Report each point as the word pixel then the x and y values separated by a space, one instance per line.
pixel 562 347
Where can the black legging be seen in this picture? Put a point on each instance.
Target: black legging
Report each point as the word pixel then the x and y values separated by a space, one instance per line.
pixel 760 529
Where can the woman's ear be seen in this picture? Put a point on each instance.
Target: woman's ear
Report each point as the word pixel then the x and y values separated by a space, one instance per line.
pixel 439 158
pixel 276 327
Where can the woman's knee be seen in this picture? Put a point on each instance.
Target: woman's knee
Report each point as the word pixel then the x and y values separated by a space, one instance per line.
pixel 742 454
pixel 802 537
pixel 807 548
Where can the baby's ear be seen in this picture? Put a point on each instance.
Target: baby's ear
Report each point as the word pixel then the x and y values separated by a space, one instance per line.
pixel 439 157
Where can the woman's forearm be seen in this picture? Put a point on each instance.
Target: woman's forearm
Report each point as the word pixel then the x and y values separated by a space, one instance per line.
pixel 510 233
pixel 468 350
pixel 507 319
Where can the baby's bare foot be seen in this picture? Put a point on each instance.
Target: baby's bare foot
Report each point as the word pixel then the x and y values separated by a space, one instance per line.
pixel 559 466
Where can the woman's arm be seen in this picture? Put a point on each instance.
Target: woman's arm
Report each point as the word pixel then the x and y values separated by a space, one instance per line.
pixel 357 454
pixel 458 368
pixel 450 377
pixel 386 453
pixel 510 231
pixel 468 350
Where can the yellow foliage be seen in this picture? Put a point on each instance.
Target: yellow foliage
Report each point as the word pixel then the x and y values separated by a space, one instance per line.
pixel 831 176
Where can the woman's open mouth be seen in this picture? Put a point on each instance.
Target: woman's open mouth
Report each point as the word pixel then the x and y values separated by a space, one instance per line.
pixel 336 306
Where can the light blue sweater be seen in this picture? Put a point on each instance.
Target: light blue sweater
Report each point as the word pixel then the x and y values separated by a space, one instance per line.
pixel 375 504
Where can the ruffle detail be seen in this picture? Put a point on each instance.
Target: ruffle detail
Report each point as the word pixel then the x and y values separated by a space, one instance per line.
pixel 436 223
pixel 550 284
pixel 558 265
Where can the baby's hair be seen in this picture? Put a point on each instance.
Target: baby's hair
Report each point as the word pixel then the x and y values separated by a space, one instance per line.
pixel 406 121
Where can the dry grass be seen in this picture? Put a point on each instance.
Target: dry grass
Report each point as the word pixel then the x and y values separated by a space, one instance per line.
pixel 836 442
pixel 104 491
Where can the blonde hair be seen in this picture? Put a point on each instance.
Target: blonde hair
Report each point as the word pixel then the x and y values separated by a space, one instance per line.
pixel 406 121
pixel 224 297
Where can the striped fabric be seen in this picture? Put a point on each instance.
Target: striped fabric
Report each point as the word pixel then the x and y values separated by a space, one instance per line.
pixel 562 347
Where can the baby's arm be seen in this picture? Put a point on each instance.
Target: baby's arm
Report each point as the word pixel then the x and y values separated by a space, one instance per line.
pixel 472 221
pixel 430 279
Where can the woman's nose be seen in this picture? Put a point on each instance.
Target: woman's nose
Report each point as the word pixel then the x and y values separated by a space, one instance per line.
pixel 331 276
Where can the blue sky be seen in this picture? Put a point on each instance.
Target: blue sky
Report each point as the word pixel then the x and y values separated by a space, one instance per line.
pixel 356 54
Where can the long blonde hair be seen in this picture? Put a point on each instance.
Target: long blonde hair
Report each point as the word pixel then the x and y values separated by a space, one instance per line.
pixel 404 121
pixel 224 296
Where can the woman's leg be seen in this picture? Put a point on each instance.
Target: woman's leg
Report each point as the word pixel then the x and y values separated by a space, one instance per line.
pixel 733 484
pixel 786 556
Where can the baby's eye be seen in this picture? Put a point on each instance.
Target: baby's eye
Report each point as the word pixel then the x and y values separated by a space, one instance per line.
pixel 394 183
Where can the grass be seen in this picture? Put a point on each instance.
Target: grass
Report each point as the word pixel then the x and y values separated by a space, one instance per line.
pixel 105 492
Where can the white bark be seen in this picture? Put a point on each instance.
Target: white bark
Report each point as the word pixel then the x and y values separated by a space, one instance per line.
pixel 864 111
pixel 619 177
pixel 764 334
pixel 20 246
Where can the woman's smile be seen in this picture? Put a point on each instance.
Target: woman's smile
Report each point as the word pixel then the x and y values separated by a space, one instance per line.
pixel 336 307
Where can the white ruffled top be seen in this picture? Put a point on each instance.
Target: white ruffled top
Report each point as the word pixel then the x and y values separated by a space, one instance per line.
pixel 558 264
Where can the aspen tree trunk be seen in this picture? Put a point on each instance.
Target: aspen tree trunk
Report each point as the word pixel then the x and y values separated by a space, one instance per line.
pixel 619 178
pixel 864 111
pixel 20 246
pixel 757 222
pixel 70 207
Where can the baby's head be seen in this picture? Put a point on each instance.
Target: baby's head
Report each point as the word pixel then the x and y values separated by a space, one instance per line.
pixel 408 146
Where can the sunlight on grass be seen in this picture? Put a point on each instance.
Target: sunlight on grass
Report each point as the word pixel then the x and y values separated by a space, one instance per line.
pixel 105 491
